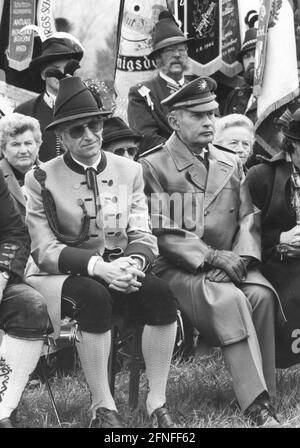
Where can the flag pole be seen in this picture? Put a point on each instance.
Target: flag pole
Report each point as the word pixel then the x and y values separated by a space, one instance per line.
pixel 120 20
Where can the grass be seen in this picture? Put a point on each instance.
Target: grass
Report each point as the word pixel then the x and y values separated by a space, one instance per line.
pixel 199 395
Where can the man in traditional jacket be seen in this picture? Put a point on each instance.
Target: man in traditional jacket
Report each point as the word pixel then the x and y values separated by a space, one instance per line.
pixel 209 242
pixel 93 249
pixel 58 52
pixel 23 312
pixel 146 115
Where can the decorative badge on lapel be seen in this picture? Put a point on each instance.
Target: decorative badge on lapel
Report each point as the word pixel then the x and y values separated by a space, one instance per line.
pixel 144 92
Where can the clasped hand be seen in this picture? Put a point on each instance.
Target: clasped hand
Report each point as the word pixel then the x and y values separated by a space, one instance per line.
pixel 226 267
pixel 121 274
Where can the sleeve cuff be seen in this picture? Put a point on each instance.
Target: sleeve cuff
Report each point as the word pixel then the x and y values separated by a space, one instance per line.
pixel 142 250
pixel 143 260
pixel 74 261
pixel 91 265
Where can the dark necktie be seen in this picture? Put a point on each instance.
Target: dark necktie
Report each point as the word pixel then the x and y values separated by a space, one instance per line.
pixel 203 159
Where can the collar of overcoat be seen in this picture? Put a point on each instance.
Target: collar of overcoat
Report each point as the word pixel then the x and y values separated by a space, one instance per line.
pixel 221 167
pixel 13 184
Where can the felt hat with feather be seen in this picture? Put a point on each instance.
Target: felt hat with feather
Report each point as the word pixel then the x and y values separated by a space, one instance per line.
pixel 76 99
pixel 58 46
pixel 166 33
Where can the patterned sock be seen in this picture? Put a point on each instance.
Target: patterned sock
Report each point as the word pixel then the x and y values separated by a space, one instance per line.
pixel 93 350
pixel 157 346
pixel 18 359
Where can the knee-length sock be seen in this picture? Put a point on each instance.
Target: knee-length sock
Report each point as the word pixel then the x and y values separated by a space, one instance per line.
pixel 157 347
pixel 93 350
pixel 18 359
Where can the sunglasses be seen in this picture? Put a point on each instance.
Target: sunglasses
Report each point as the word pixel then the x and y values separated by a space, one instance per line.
pixel 78 130
pixel 131 151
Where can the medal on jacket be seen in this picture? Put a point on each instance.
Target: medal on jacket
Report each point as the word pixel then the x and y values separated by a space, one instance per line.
pixel 144 92
pixel 92 184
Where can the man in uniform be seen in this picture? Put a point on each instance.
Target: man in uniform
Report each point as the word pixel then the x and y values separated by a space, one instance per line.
pixel 93 249
pixel 209 242
pixel 146 115
pixel 23 312
pixel 58 52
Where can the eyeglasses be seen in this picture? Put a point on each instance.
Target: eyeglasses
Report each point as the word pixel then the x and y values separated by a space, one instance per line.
pixel 131 151
pixel 78 131
pixel 174 51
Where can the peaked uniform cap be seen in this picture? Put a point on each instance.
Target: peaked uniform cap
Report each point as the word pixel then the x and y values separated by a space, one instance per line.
pixel 197 96
pixel 166 33
pixel 74 100
pixel 55 49
pixel 292 130
pixel 249 43
pixel 115 129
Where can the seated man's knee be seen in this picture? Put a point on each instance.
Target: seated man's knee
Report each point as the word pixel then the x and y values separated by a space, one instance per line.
pixel 261 296
pixel 160 306
pixel 25 312
pixel 93 304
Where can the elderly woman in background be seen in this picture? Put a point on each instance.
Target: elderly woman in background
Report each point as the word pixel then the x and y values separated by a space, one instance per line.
pixel 235 132
pixel 20 140
pixel 275 190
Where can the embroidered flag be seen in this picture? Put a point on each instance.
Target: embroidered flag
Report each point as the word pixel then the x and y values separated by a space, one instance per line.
pixel 45 17
pixel 136 21
pixel 231 38
pixel 276 67
pixel 203 21
pixel 20 46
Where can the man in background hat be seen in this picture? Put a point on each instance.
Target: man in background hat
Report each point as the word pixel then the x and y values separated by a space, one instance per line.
pixel 92 247
pixel 119 138
pixel 210 244
pixel 146 115
pixel 58 52
pixel 241 99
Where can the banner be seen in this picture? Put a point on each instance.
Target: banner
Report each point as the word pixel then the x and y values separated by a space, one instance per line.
pixel 45 17
pixel 136 21
pixel 202 19
pixel 280 82
pixel 261 46
pixel 20 46
pixel 231 38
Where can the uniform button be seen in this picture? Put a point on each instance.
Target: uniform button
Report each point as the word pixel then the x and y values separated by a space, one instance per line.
pixel 114 200
pixel 119 215
pixel 206 213
pixel 231 210
pixel 118 234
pixel 13 247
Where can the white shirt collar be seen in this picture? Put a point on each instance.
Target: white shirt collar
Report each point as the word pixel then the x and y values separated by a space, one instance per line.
pixel 172 81
pixel 49 99
pixel 85 167
pixel 202 153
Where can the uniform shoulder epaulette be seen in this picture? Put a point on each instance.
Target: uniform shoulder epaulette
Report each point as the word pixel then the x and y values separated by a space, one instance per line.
pixel 222 148
pixel 152 150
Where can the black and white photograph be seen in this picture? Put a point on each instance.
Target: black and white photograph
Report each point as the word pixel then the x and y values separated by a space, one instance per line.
pixel 149 216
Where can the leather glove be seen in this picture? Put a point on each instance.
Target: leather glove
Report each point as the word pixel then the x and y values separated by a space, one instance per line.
pixel 228 261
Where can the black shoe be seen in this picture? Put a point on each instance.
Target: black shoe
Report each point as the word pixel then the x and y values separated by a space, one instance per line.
pixel 161 418
pixel 105 418
pixel 6 423
pixel 263 415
